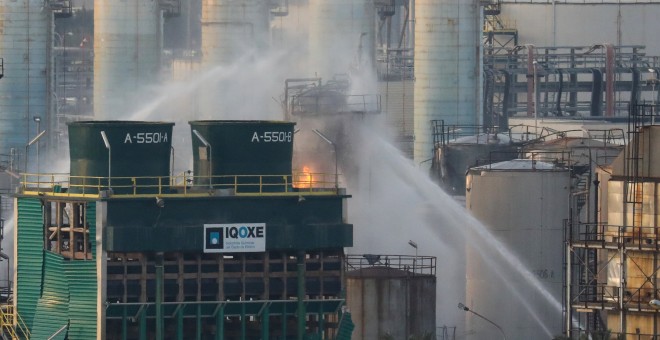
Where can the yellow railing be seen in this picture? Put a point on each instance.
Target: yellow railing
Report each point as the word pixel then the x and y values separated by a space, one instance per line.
pixel 12 323
pixel 182 184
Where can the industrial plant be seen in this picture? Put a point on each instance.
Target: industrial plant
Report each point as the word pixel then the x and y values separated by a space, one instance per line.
pixel 329 169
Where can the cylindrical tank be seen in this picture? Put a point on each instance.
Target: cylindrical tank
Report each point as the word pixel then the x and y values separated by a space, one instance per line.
pixel 387 301
pixel 250 152
pixel 24 27
pixel 230 28
pixel 523 203
pixel 447 38
pixel 126 53
pixel 341 36
pixel 455 158
pixel 138 157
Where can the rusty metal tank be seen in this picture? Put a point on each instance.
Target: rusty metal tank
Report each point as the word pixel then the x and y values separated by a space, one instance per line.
pixel 391 296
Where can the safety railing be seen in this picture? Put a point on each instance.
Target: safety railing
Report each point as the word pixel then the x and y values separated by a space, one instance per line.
pixel 614 236
pixel 182 184
pixel 205 309
pixel 12 323
pixel 415 265
pixel 334 103
pixel 604 296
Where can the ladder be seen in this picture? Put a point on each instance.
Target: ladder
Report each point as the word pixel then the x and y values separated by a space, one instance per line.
pixel 11 324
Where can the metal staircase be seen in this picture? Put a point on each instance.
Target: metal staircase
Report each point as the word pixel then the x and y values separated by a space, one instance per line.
pixel 12 325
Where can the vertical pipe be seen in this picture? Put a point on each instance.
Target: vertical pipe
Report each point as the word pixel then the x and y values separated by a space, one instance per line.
pixel 220 324
pixel 198 321
pixel 301 295
pixel 179 324
pixel 567 298
pixel 159 296
pixel 609 79
pixel 243 321
pixel 124 323
pixel 321 321
pixel 284 330
pixel 531 81
pixel 265 323
pixel 143 325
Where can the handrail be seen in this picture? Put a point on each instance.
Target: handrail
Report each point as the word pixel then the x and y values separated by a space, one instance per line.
pixel 11 321
pixel 184 184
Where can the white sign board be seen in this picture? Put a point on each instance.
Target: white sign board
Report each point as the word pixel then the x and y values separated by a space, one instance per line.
pixel 235 238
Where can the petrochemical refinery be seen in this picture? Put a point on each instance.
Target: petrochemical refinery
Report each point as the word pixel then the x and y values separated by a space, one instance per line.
pixel 329 169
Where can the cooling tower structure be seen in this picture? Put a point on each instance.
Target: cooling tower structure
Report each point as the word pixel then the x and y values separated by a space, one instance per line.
pixel 232 28
pixel 24 47
pixel 341 36
pixel 447 40
pixel 523 204
pixel 127 48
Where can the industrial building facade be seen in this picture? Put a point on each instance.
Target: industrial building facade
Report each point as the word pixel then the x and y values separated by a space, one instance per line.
pixel 241 257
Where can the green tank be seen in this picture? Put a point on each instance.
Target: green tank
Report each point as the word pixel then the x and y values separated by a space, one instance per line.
pixel 244 152
pixel 139 156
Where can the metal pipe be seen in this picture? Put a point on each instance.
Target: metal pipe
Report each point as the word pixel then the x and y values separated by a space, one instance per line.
pixel 301 295
pixel 334 146
pixel 159 296
pixel 107 146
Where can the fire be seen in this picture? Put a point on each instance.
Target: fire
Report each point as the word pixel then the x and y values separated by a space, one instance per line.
pixel 303 179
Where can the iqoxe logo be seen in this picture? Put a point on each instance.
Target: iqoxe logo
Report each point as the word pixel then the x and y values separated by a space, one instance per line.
pixel 234 238
pixel 244 231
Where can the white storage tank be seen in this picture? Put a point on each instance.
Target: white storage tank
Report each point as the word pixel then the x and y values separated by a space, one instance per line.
pixel 523 203
pixel 341 36
pixel 127 47
pixel 24 27
pixel 231 28
pixel 447 54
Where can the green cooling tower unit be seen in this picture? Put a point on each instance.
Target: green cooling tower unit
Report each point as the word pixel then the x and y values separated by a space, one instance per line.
pixel 121 155
pixel 245 155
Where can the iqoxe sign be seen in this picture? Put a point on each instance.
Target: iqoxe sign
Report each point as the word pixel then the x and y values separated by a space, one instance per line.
pixel 235 238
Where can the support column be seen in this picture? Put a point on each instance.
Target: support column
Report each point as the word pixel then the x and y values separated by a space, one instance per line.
pixel 159 296
pixel 220 324
pixel 301 295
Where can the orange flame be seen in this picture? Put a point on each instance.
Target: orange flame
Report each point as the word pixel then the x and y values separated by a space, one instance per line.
pixel 304 179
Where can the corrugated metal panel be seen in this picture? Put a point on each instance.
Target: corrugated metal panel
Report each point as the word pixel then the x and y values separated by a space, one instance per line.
pixel 82 299
pixel 53 308
pixel 29 257
pixel 90 214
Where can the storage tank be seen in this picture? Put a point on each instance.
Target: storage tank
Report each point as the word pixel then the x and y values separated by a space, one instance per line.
pixel 231 28
pixel 523 203
pixel 126 54
pixel 137 160
pixel 447 73
pixel 24 47
pixel 257 155
pixel 341 36
pixel 456 157
pixel 389 301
